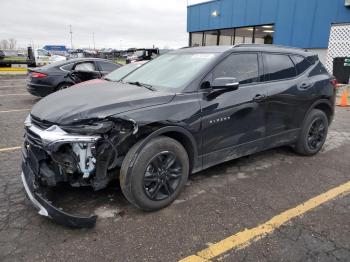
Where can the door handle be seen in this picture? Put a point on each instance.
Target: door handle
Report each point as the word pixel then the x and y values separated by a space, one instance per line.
pixel 259 97
pixel 305 85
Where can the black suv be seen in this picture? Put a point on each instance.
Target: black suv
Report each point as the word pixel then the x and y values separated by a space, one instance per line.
pixel 180 113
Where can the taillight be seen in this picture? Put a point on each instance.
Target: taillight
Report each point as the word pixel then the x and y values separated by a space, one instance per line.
pixel 37 75
pixel 334 83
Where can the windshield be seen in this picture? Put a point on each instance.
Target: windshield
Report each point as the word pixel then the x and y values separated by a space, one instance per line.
pixel 171 71
pixel 121 72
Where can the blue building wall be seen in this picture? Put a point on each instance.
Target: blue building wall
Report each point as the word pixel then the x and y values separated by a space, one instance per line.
pixel 299 23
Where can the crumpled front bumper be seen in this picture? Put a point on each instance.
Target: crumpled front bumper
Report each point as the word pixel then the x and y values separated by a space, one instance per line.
pixel 44 205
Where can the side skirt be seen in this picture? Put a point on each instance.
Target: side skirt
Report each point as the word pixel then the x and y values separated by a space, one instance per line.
pixel 234 152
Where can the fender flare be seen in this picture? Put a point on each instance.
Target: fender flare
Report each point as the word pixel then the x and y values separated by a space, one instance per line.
pixel 318 102
pixel 164 130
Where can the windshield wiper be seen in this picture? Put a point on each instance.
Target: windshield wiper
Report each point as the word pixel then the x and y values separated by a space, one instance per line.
pixel 137 83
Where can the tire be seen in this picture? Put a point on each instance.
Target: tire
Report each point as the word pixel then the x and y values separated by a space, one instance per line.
pixel 310 141
pixel 63 86
pixel 137 171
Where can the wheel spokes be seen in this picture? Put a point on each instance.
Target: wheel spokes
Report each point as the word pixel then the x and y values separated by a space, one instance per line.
pixel 161 175
pixel 155 190
pixel 168 188
pixel 170 160
pixel 317 134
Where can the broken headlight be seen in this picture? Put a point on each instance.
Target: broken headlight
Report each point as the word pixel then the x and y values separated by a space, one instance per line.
pixel 90 129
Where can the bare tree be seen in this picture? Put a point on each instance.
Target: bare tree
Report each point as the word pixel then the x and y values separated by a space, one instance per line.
pixel 4 44
pixel 12 43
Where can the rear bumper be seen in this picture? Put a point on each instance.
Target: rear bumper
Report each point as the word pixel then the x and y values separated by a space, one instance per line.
pixel 39 90
pixel 36 196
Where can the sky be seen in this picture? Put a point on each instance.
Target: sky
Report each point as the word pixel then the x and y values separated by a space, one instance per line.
pixel 114 23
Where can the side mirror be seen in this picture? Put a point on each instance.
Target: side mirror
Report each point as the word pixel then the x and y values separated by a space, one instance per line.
pixel 229 83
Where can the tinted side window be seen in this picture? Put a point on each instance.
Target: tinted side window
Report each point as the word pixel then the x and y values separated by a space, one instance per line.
pixel 301 63
pixel 85 66
pixel 244 67
pixel 278 67
pixel 68 67
pixel 105 66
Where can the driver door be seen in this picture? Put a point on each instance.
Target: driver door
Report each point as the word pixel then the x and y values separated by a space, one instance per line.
pixel 234 122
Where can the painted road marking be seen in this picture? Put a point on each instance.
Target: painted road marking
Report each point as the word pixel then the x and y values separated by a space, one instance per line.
pixel 10 80
pixel 13 69
pixel 20 94
pixel 14 110
pixel 8 149
pixel 11 86
pixel 246 237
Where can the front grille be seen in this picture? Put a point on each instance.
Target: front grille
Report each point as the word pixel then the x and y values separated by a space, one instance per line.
pixel 42 124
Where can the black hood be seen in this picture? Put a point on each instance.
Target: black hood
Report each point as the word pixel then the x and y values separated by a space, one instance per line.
pixel 100 100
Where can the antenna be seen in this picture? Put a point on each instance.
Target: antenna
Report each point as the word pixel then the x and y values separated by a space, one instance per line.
pixel 71 36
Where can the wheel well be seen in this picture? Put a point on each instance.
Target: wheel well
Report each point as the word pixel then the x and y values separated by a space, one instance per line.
pixel 185 142
pixel 61 84
pixel 326 109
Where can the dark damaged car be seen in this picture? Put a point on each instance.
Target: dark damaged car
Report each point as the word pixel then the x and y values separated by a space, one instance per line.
pixel 176 115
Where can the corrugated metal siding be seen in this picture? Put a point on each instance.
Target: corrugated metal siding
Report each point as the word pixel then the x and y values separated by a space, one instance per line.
pixel 300 23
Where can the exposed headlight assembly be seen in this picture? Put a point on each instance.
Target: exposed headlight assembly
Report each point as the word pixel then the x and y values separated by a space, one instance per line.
pixel 89 129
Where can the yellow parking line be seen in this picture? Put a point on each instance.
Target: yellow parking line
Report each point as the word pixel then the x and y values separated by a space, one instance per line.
pixel 8 149
pixel 14 110
pixel 13 69
pixel 246 237
pixel 20 94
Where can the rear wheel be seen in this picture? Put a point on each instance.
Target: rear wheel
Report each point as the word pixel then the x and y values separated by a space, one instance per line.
pixel 154 177
pixel 313 133
pixel 63 86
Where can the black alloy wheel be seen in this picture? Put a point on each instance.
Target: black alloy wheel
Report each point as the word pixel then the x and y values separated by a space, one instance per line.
pixel 317 134
pixel 162 176
pixel 313 133
pixel 153 174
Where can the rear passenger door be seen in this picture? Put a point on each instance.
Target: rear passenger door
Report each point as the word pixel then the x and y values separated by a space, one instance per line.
pixel 289 93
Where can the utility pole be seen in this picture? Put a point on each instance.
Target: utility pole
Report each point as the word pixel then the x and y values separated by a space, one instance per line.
pixel 71 36
pixel 93 39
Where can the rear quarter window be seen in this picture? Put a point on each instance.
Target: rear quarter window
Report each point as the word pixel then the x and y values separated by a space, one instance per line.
pixel 67 67
pixel 278 67
pixel 301 63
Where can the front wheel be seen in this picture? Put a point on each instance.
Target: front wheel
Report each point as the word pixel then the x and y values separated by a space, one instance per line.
pixel 313 133
pixel 153 176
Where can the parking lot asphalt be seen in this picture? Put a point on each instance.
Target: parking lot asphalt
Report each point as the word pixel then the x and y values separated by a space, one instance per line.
pixel 216 204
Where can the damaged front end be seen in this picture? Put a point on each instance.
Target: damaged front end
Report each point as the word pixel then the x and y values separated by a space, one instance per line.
pixel 81 155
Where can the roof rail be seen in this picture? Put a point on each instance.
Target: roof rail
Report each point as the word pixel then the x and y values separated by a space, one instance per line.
pixel 281 46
